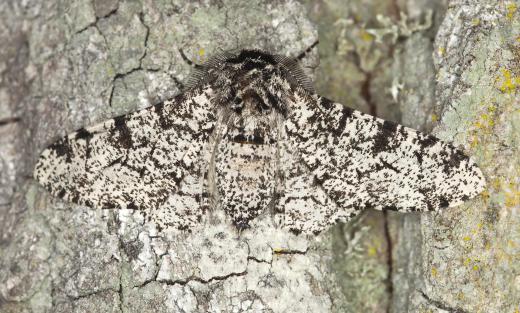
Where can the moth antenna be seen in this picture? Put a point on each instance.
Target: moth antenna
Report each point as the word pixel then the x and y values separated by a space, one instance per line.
pixel 190 62
pixel 306 51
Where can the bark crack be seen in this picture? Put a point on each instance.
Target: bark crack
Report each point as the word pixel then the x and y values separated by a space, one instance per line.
pixel 139 67
pixel 441 305
pixel 98 18
pixel 10 120
pixel 184 282
pixel 389 261
pixel 365 93
pixel 288 251
pixel 120 292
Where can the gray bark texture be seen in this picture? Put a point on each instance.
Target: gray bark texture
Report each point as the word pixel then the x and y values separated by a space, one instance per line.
pixel 451 68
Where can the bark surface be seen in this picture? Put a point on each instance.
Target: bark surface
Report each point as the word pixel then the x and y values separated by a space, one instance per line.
pixel 68 64
pixel 451 68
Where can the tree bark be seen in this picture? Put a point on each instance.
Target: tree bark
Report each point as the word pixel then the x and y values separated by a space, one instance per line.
pixel 64 65
pixel 458 76
pixel 73 63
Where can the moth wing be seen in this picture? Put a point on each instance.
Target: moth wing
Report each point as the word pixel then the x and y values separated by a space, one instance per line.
pixel 304 206
pixel 360 161
pixel 145 160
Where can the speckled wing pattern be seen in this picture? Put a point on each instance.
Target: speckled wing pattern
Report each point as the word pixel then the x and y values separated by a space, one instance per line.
pixel 150 160
pixel 248 137
pixel 350 161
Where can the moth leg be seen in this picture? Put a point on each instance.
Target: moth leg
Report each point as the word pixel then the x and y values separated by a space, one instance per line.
pixel 277 209
pixel 190 62
pixel 304 53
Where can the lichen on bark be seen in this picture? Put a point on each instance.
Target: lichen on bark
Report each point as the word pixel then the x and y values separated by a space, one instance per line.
pixel 67 64
pixel 82 61
pixel 459 78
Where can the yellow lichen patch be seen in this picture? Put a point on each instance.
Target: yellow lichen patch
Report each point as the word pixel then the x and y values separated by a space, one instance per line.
pixel 477 229
pixel 474 141
pixel 441 51
pixel 366 36
pixel 496 183
pixel 201 54
pixel 475 22
pixel 507 82
pixel 434 272
pixel 111 71
pixel 511 10
pixel 466 238
pixel 486 120
pixel 473 264
pixel 435 118
pixel 512 200
pixel 372 251
pixel 485 195
pixel 278 250
pixel 512 195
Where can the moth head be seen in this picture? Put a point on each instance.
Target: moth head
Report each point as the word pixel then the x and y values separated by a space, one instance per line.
pixel 251 79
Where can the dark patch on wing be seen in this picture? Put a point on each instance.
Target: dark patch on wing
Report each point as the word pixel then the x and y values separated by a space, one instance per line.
pixel 108 205
pixel 125 135
pixel 419 156
pixel 131 206
pixel 389 166
pixel 426 140
pixel 346 113
pixel 82 133
pixel 164 121
pixel 390 208
pixel 389 127
pixel 242 223
pixel 326 103
pixel 295 231
pixel 382 140
pixel 456 157
pixel 62 149
pixel 443 202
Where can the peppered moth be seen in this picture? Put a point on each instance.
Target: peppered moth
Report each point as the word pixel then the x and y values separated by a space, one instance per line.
pixel 249 136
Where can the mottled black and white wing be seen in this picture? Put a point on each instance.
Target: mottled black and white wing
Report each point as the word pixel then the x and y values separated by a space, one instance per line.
pixel 150 160
pixel 344 161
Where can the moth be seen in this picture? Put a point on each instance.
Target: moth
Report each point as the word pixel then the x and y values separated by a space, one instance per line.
pixel 250 136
